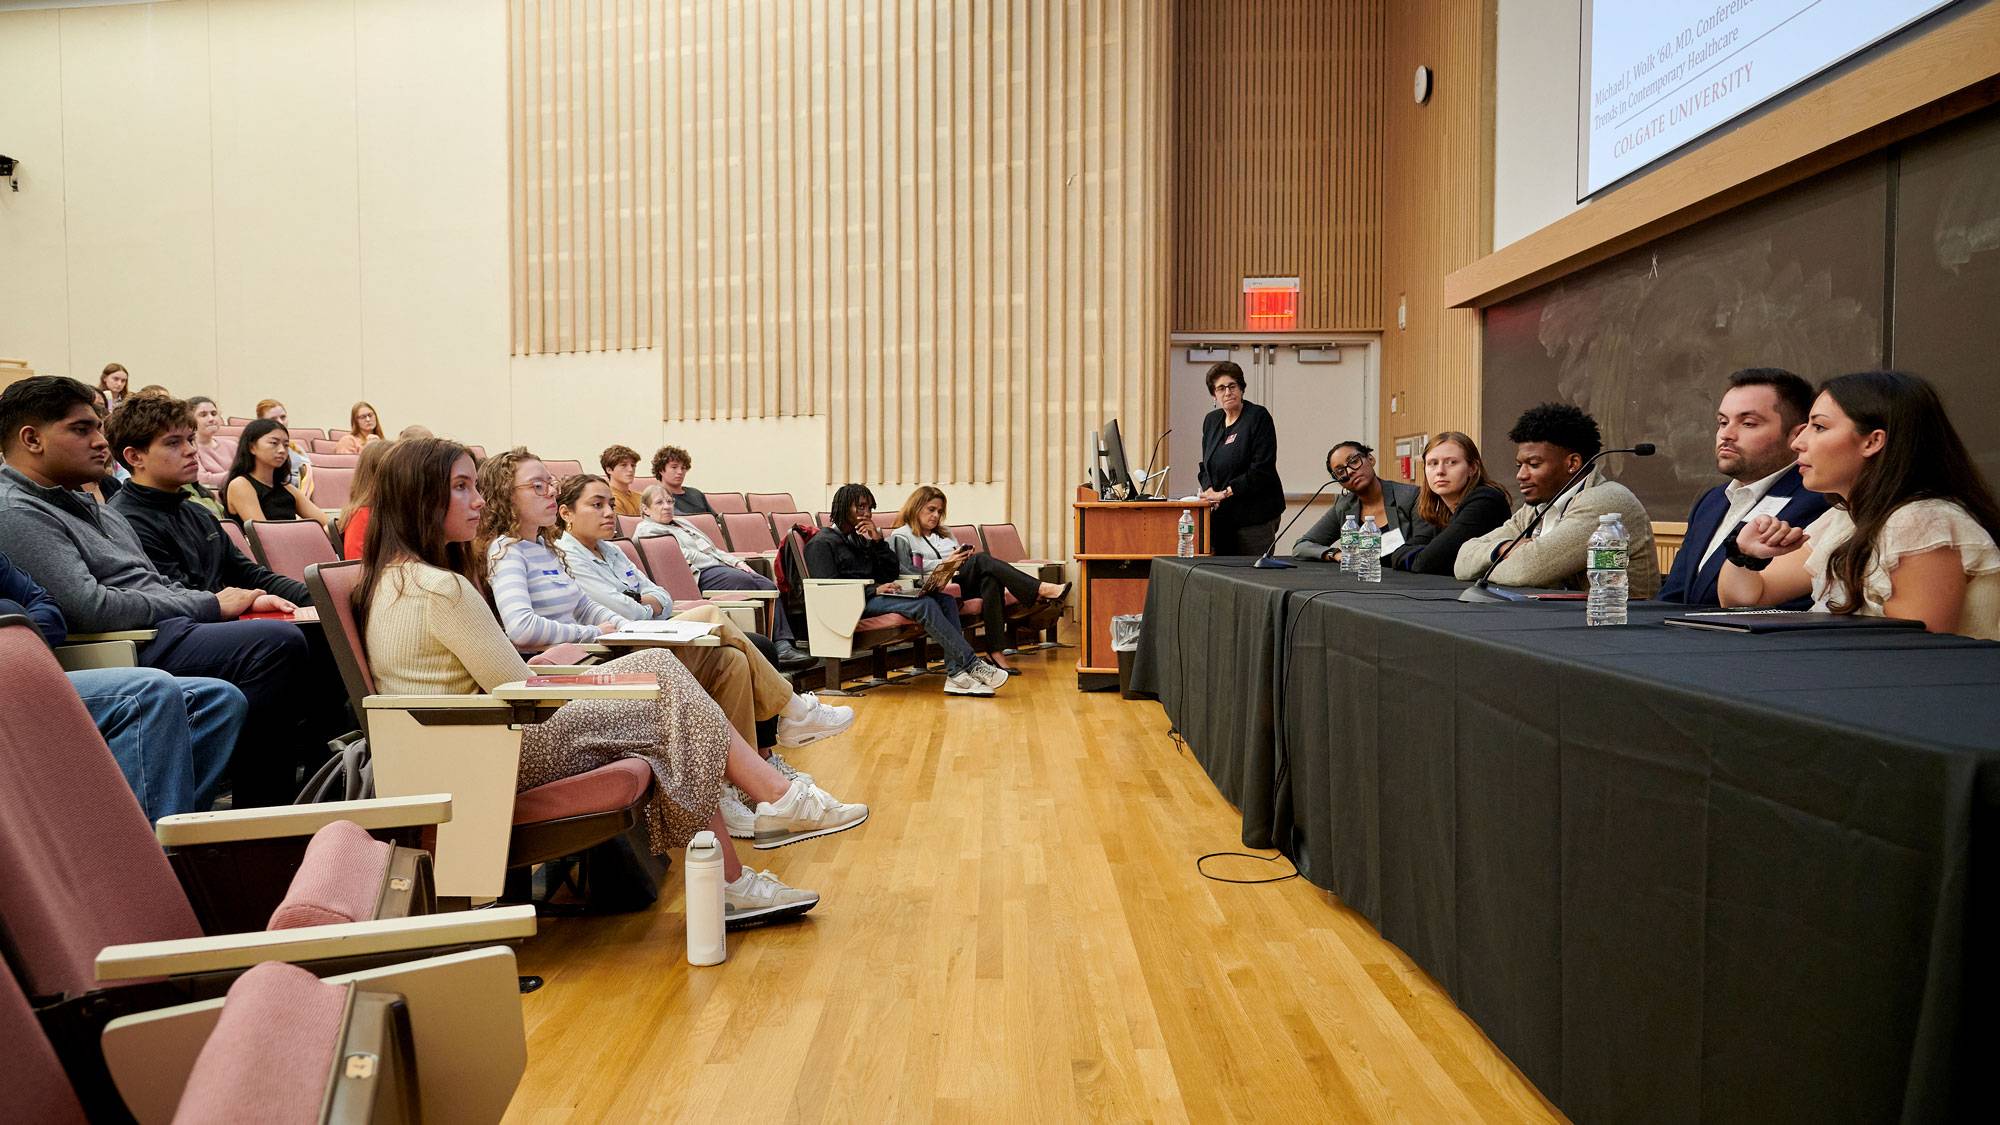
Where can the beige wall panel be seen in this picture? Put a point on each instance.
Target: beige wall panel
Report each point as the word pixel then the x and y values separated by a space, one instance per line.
pixel 1436 161
pixel 34 275
pixel 573 405
pixel 138 192
pixel 287 260
pixel 430 106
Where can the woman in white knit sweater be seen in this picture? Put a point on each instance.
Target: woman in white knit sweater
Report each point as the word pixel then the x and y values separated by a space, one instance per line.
pixel 430 632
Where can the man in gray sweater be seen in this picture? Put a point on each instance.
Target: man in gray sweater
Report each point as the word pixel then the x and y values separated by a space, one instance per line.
pixel 1552 441
pixel 91 562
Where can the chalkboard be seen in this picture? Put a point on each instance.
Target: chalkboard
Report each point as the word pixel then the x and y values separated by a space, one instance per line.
pixel 1891 260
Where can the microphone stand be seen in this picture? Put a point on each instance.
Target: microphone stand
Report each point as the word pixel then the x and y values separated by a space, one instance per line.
pixel 1265 561
pixel 1480 591
pixel 1150 458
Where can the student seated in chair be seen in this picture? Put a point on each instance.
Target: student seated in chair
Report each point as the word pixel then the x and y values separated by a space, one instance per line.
pixel 855 548
pixel 922 544
pixel 716 571
pixel 429 632
pixel 670 467
pixel 171 736
pixel 154 439
pixel 1759 417
pixel 621 466
pixel 260 483
pixel 1552 441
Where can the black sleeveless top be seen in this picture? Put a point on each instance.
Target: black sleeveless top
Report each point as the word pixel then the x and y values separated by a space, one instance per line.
pixel 276 501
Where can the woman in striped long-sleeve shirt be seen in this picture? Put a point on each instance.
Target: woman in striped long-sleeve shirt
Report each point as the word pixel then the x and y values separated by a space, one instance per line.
pixel 539 603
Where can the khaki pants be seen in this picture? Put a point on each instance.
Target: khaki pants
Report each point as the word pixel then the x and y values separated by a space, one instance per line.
pixel 735 674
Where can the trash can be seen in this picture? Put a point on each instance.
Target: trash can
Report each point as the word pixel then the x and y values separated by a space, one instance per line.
pixel 1125 642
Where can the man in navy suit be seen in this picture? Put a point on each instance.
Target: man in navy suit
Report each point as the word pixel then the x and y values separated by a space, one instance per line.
pixel 1761 413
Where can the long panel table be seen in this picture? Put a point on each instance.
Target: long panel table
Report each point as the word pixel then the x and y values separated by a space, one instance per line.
pixel 1675 875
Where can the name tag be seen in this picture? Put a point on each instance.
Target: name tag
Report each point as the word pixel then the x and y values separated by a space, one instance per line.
pixel 1392 539
pixel 1768 506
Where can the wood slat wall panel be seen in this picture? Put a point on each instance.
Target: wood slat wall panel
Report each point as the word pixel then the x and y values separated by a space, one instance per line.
pixel 584 84
pixel 1437 163
pixel 1277 136
pixel 939 224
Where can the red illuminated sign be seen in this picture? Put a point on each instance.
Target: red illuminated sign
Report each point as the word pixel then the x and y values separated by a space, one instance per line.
pixel 1270 304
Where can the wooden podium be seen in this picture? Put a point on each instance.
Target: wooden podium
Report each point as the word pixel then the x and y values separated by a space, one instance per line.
pixel 1116 541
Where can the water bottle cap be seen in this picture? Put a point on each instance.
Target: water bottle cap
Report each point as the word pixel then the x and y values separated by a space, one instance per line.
pixel 1608 517
pixel 703 841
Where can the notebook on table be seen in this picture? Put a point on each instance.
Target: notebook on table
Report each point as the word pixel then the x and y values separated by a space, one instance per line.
pixel 1785 621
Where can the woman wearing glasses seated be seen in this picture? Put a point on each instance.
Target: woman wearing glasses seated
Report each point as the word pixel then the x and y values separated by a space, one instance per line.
pixel 1392 503
pixel 1239 467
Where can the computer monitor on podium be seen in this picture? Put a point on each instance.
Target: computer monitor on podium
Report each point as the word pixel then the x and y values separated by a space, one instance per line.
pixel 1114 476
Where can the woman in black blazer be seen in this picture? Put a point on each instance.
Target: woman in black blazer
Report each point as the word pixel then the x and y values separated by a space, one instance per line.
pixel 1459 500
pixel 1239 468
pixel 1364 494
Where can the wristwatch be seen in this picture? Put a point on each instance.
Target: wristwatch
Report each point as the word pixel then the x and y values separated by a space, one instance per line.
pixel 1735 555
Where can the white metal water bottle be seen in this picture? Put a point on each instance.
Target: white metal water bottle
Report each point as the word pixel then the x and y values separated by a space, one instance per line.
pixel 1186 548
pixel 1368 552
pixel 708 941
pixel 1607 558
pixel 1350 544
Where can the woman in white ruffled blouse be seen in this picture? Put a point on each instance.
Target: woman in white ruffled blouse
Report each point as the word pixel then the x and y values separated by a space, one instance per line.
pixel 1912 529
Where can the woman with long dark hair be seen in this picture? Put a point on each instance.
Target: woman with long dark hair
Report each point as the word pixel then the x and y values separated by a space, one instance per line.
pixel 1911 533
pixel 429 632
pixel 259 485
pixel 1458 498
pixel 354 517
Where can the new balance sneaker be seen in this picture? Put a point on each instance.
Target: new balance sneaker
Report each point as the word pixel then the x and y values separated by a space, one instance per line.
pixel 791 772
pixel 742 823
pixel 806 721
pixel 966 683
pixel 757 898
pixel 805 811
pixel 990 674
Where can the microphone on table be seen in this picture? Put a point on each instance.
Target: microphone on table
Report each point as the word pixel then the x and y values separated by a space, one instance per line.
pixel 1481 592
pixel 1265 561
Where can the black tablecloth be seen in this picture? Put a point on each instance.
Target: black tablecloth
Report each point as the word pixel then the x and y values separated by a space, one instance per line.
pixel 1675 875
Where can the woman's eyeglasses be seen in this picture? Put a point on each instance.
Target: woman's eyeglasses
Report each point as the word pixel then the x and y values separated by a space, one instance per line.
pixel 543 486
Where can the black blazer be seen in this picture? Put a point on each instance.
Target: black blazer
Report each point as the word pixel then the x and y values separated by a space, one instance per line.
pixel 1692 581
pixel 1260 496
pixel 1482 510
pixel 1400 502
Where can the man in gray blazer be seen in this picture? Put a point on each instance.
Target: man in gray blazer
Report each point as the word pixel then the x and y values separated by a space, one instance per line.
pixel 1352 465
pixel 1552 442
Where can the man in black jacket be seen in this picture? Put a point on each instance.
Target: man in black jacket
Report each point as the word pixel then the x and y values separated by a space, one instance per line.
pixel 153 437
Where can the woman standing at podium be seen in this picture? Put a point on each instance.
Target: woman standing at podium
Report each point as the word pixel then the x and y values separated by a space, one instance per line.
pixel 1239 467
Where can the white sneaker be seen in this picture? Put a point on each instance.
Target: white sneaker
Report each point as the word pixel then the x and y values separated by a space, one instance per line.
pixel 805 811
pixel 791 772
pixel 966 683
pixel 741 822
pixel 757 897
pixel 992 675
pixel 807 721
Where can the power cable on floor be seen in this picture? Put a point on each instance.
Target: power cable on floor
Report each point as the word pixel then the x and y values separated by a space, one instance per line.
pixel 1244 855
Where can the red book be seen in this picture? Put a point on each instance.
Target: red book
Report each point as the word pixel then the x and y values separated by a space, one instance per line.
pixel 595 679
pixel 305 613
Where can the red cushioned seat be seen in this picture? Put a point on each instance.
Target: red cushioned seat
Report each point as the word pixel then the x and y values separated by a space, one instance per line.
pixel 560 655
pixel 272 1050
pixel 339 880
pixel 612 786
pixel 882 621
pixel 970 607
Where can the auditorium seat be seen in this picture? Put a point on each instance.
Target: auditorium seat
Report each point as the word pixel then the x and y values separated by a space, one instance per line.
pixel 239 423
pixel 101 922
pixel 478 452
pixel 726 503
pixel 290 546
pixel 663 561
pixel 332 485
pixel 966 535
pixel 628 526
pixel 711 527
pixel 235 532
pixel 334 461
pixel 749 531
pixel 825 519
pixel 323 445
pixel 771 502
pixel 335 434
pixel 231 431
pixel 304 436
pixel 641 484
pixel 563 470
pixel 631 553
pixel 783 522
pixel 1003 542
pixel 835 628
pixel 888 521
pixel 471 746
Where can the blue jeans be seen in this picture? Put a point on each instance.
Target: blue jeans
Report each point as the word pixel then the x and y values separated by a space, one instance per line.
pixel 171 737
pixel 938 614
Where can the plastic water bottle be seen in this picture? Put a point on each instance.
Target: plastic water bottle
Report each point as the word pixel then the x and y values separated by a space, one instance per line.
pixel 1186 547
pixel 1350 544
pixel 1368 552
pixel 1607 558
pixel 708 940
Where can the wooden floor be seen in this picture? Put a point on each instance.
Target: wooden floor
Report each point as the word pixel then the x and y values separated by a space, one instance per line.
pixel 1018 933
